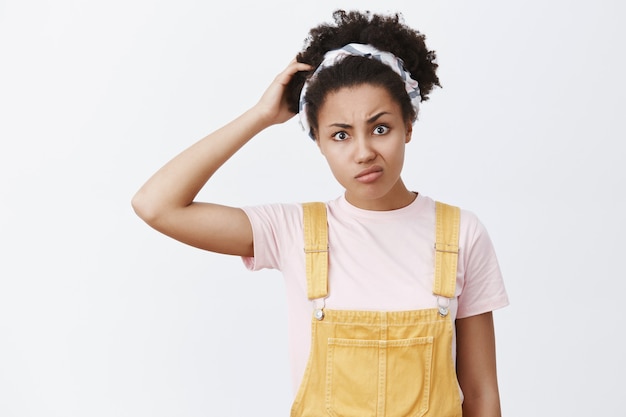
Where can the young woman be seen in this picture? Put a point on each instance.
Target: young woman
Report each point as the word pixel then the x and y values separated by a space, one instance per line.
pixel 390 294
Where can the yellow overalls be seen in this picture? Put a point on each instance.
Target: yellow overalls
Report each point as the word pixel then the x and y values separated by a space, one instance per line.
pixel 380 364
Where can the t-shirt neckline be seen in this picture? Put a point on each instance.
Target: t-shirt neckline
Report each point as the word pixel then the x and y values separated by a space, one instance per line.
pixel 415 205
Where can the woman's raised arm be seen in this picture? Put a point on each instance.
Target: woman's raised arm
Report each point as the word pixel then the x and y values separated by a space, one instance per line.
pixel 166 200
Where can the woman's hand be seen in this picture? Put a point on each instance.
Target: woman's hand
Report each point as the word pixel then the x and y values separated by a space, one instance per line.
pixel 272 106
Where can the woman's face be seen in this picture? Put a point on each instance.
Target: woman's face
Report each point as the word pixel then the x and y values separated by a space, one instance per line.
pixel 362 134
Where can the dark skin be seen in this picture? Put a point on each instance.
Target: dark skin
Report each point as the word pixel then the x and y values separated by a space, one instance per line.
pixel 476 366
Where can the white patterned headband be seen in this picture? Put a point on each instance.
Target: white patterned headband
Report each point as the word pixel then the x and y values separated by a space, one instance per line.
pixel 368 51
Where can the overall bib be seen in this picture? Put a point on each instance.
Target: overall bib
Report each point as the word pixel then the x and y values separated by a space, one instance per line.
pixel 376 363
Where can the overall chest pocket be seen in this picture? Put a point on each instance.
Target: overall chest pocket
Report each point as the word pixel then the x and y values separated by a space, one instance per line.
pixel 378 378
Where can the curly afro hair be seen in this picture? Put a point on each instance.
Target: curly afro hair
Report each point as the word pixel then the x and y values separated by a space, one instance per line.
pixel 384 32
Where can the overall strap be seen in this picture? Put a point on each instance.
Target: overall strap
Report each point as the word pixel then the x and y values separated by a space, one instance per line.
pixel 446 249
pixel 316 249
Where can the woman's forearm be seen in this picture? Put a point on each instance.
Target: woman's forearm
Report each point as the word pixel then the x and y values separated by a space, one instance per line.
pixel 485 406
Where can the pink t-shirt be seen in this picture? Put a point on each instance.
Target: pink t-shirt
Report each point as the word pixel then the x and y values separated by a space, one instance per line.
pixel 378 260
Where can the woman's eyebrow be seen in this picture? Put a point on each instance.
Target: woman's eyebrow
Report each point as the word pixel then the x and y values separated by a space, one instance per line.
pixel 376 117
pixel 341 125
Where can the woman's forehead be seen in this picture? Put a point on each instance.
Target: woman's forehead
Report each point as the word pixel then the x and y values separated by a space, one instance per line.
pixel 364 102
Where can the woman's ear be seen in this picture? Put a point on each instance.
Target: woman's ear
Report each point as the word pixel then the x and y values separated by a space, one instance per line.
pixel 317 142
pixel 316 137
pixel 409 132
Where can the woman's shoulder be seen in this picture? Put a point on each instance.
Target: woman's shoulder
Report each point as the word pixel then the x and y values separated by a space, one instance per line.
pixel 471 227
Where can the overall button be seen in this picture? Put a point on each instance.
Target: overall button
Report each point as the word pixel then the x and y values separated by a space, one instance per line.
pixel 443 305
pixel 319 314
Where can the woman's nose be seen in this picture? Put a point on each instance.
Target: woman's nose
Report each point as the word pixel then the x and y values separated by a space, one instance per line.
pixel 364 151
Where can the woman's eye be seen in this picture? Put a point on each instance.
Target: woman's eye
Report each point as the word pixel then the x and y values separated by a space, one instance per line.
pixel 340 136
pixel 381 130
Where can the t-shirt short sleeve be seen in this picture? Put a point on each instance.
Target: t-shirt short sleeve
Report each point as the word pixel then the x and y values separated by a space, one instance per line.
pixel 276 229
pixel 483 287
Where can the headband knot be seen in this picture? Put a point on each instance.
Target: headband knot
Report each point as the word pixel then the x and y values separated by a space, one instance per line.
pixel 367 51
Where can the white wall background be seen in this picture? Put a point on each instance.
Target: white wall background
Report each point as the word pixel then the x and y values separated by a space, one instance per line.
pixel 102 316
